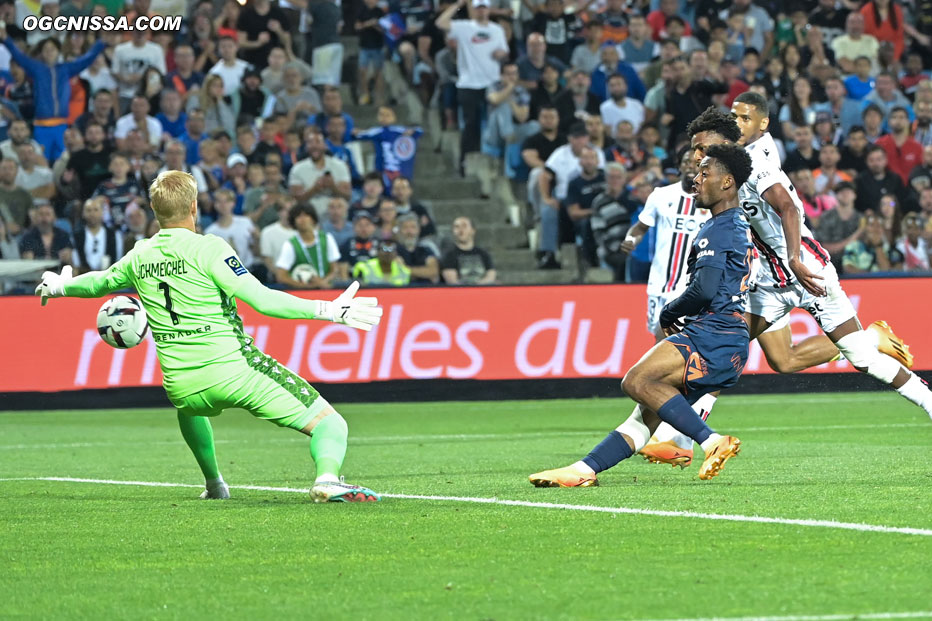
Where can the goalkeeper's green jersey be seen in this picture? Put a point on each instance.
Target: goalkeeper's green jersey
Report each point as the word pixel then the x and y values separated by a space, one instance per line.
pixel 186 283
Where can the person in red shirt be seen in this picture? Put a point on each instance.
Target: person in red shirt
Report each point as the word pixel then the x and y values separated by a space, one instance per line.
pixel 657 20
pixel 883 19
pixel 903 151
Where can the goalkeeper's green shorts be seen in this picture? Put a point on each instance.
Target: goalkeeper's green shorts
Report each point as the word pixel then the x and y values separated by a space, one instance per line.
pixel 264 388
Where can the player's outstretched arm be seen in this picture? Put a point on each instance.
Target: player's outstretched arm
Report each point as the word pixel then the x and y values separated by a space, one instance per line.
pixel 362 313
pixel 89 285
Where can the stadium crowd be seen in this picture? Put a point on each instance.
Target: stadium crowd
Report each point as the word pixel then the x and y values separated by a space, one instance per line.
pixel 581 106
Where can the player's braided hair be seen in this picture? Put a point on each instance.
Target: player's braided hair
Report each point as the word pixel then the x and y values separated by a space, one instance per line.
pixel 734 159
pixel 714 120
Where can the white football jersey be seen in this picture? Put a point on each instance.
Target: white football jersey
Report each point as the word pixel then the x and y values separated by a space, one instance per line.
pixel 766 224
pixel 673 211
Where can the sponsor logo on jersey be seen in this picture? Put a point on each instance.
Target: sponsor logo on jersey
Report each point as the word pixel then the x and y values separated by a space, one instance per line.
pixel 235 265
pixel 705 253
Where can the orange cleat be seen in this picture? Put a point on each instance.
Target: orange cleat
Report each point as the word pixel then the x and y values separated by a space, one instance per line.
pixel 890 344
pixel 667 453
pixel 564 477
pixel 723 450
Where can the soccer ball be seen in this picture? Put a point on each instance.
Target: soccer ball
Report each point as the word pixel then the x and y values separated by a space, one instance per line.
pixel 122 322
pixel 303 272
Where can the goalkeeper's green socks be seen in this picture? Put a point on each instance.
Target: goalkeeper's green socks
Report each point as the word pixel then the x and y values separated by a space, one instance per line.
pixel 199 436
pixel 328 446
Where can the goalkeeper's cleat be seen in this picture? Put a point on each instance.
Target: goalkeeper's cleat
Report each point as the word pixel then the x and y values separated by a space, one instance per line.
pixel 563 477
pixel 667 453
pixel 890 344
pixel 340 491
pixel 723 450
pixel 216 491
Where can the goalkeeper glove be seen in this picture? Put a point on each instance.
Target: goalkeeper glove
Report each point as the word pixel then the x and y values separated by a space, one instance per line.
pixel 361 313
pixel 53 285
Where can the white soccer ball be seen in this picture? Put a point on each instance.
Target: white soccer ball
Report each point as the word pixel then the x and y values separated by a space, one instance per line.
pixel 122 322
pixel 303 272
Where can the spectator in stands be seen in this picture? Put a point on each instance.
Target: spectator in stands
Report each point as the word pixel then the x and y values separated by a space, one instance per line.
pixel 195 133
pixel 799 110
pixel 803 154
pixel 238 231
pixel 96 245
pixel 876 181
pixel 371 55
pixel 234 179
pixel 373 191
pixel 419 255
pixel 337 222
pixel 562 165
pixel 596 130
pixel 655 102
pixel 183 78
pixel 883 19
pixel 275 235
pixel 102 112
pixel 308 246
pixel 120 190
pixel 829 18
pixel 828 175
pixel 814 205
pixel 217 108
pixel 9 248
pixel 33 176
pixel 531 66
pixel 587 55
pixel 51 81
pixel 842 225
pixel 318 177
pixel 558 28
pixel 872 116
pixel 913 246
pixel 252 101
pixel 175 159
pixel 15 202
pixel 465 263
pixel 854 43
pixel 324 50
pixel 638 49
pixel 402 193
pixel 921 176
pixel 575 103
pixel 294 100
pixel 892 217
pixel 480 47
pixel 259 29
pixel 686 100
pixel 580 193
pixel 903 152
pixel 130 61
pixel 230 68
pixel 886 95
pixel 332 107
pixel 844 111
pixel 611 64
pixel 44 240
pixel 854 151
pixel 137 225
pixel 395 145
pixel 385 269
pixel 388 212
pixel 260 203
pixel 922 127
pixel 139 119
pixel 91 164
pixel 610 220
pixel 361 247
pixel 871 252
pixel 171 116
pixel 619 107
pixel 547 92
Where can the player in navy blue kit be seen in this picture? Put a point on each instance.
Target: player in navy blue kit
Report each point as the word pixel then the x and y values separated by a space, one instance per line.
pixel 707 338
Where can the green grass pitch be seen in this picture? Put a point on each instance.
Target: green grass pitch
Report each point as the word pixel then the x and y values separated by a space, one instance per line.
pixel 96 550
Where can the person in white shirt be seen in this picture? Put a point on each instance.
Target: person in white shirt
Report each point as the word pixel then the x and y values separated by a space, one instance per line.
pixel 480 48
pixel 275 235
pixel 138 118
pixel 854 43
pixel 319 176
pixel 32 176
pixel 229 67
pixel 238 231
pixel 619 107
pixel 130 61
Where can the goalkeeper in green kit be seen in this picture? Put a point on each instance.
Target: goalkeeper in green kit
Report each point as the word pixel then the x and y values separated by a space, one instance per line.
pixel 187 283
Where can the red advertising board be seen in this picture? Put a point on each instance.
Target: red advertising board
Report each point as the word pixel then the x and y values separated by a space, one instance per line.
pixel 459 333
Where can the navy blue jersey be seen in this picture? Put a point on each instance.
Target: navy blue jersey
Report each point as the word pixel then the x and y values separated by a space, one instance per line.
pixel 724 241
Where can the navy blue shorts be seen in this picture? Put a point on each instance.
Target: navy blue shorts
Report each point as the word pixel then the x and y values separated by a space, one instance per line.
pixel 715 355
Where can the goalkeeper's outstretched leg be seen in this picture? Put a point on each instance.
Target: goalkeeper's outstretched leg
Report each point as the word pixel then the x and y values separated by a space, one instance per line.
pixel 199 436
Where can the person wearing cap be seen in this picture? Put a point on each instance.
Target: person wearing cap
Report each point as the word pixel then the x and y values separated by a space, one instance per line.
pixel 52 87
pixel 139 119
pixel 234 179
pixel 553 183
pixel 385 269
pixel 362 246
pixel 481 46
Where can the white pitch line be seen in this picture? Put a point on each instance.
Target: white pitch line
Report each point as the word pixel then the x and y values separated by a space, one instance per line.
pixel 840 617
pixel 923 532
pixel 362 440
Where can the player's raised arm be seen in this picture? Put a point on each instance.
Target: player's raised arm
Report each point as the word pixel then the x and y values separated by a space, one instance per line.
pixel 778 198
pixel 89 285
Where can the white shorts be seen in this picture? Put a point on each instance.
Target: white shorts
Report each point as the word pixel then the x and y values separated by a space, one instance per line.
pixel 655 304
pixel 831 311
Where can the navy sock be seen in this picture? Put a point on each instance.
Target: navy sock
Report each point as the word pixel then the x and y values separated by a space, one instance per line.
pixel 609 452
pixel 679 415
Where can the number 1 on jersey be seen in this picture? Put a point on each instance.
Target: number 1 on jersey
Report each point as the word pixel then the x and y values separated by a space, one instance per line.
pixel 168 302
